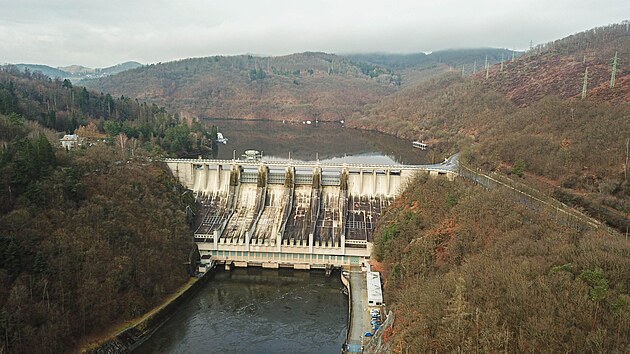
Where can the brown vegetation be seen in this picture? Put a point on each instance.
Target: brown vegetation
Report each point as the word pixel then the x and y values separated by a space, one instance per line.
pixel 305 86
pixel 471 272
pixel 297 87
pixel 531 115
pixel 86 239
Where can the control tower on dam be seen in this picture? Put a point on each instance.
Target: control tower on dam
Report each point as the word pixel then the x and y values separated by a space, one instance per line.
pixel 294 214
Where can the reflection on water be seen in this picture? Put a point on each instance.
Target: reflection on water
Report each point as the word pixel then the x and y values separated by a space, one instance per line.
pixel 258 311
pixel 328 142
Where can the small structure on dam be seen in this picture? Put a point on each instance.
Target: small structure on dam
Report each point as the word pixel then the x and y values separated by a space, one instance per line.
pixel 296 214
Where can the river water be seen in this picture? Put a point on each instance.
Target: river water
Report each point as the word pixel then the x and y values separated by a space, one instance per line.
pixel 258 311
pixel 277 311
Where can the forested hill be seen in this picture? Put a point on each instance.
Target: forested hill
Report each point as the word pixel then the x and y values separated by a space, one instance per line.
pixel 469 271
pixel 92 237
pixel 471 59
pixel 305 86
pixel 64 107
pixel 559 67
pixel 294 87
pixel 530 114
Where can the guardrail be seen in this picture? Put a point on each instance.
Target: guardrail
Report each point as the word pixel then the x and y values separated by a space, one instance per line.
pixel 534 200
pixel 295 163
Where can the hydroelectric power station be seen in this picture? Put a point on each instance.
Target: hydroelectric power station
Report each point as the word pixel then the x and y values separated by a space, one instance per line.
pixel 289 213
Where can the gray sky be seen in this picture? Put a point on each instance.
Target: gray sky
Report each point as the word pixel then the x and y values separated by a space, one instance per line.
pixel 99 33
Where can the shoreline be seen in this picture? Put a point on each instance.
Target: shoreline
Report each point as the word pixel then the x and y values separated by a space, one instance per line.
pixel 142 328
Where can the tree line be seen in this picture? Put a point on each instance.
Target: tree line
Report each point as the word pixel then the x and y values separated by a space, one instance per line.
pixel 61 106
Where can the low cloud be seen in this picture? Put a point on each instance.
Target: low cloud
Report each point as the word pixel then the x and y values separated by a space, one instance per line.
pixel 100 34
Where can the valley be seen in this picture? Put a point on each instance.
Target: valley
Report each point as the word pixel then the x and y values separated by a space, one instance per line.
pixel 95 235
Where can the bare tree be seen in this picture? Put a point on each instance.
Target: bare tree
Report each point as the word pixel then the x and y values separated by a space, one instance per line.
pixel 625 165
pixel 487 68
pixel 121 141
pixel 585 83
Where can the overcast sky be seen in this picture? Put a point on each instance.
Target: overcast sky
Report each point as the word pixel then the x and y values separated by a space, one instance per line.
pixel 103 33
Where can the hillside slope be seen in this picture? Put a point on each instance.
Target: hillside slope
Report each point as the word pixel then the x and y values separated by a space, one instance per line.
pixel 466 270
pixel 531 115
pixel 64 107
pixel 91 237
pixel 295 87
pixel 305 86
pixel 558 68
pixel 85 240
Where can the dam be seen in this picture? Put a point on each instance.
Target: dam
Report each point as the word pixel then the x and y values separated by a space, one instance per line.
pixel 294 214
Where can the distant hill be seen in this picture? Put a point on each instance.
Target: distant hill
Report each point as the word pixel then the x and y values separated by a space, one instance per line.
pixel 293 87
pixel 44 69
pixel 112 70
pixel 77 73
pixel 418 67
pixel 393 61
pixel 303 86
pixel 76 69
pixel 474 57
pixel 452 57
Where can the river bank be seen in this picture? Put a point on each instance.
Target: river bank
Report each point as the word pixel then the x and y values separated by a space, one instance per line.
pixel 138 330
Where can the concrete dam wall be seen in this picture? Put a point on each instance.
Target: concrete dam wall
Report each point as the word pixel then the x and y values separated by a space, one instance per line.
pixel 294 214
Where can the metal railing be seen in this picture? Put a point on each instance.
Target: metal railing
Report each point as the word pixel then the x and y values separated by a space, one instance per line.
pixel 533 199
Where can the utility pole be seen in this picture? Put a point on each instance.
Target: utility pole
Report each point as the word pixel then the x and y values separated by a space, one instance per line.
pixel 501 61
pixel 463 70
pixel 585 83
pixel 513 55
pixel 475 68
pixel 613 75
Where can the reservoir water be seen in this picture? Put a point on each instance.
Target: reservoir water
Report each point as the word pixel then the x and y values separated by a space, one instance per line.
pixel 277 311
pixel 328 142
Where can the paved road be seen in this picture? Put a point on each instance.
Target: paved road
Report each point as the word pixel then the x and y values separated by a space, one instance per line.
pixel 360 317
pixel 451 164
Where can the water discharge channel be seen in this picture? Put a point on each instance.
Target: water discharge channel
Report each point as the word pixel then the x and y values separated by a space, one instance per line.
pixel 257 310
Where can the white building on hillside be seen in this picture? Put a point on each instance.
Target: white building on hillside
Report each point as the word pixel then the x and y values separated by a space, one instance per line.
pixel 70 141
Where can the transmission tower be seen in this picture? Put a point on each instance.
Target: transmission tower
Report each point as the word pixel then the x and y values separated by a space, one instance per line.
pixel 613 75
